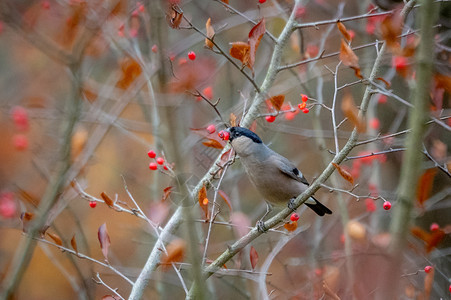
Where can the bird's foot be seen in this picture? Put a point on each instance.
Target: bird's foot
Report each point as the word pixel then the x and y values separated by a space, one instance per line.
pixel 291 205
pixel 261 226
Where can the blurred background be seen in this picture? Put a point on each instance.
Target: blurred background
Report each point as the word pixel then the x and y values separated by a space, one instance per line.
pixel 121 75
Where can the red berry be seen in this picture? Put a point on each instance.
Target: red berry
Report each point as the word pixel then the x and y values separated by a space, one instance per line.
pixel 400 63
pixel 225 135
pixel 133 32
pixel 92 204
pixel 151 154
pixel 449 288
pixel 211 128
pixel 374 123
pixel 270 119
pixel 192 55
pixel 428 269
pixel 290 115
pixel 300 11
pixel 311 51
pixel 141 7
pixel 304 98
pixel 160 160
pixel 154 48
pixel 382 99
pixel 153 166
pixel 45 4
pixel 261 1
pixel 20 117
pixel 8 206
pixel 302 105
pixel 135 13
pixel 20 142
pixel 387 205
pixel 370 205
pixel 165 167
pixel 305 110
pixel 294 217
pixel 434 227
pixel 208 92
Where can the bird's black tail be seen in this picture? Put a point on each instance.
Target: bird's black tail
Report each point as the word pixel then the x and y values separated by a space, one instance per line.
pixel 318 208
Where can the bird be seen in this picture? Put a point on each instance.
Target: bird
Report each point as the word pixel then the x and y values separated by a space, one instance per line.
pixel 275 177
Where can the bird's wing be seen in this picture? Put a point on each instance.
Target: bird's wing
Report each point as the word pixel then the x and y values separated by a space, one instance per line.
pixel 289 169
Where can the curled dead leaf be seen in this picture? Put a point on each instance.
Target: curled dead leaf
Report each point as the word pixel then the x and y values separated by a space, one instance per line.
pixel 253 255
pixel 213 144
pixel 73 243
pixel 202 195
pixel 255 35
pixel 104 240
pixel 241 51
pixel 343 30
pixel 348 57
pixel 210 34
pixel 174 16
pixel 345 174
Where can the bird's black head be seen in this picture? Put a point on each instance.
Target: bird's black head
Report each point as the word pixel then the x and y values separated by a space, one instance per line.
pixel 236 132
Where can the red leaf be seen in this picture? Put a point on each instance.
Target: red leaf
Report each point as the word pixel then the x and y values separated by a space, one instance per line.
pixel 348 57
pixel 253 255
pixel 104 240
pixel 213 144
pixel 255 35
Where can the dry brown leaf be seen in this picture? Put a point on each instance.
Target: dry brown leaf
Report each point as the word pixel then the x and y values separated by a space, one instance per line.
pixel 442 81
pixel 348 57
pixel 241 51
pixel 277 101
pixel 345 174
pixel 107 199
pixel 55 238
pixel 232 120
pixel 73 243
pixel 431 239
pixel 291 226
pixel 104 240
pixel 166 193
pixel 213 144
pixel 387 84
pixel 343 30
pixel 175 253
pixel 174 16
pixel 352 113
pixel 253 255
pixel 210 34
pixel 202 195
pixel 424 186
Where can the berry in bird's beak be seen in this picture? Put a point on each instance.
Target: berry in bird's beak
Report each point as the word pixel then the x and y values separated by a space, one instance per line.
pixel 224 134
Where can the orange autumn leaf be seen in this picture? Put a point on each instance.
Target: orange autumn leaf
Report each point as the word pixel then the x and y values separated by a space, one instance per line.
pixel 345 174
pixel 213 144
pixel 55 238
pixel 175 253
pixel 210 34
pixel 107 199
pixel 391 28
pixel 166 193
pixel 130 70
pixel 431 239
pixel 352 113
pixel 73 22
pixel 73 243
pixel 255 35
pixel 174 16
pixel 443 81
pixel 348 57
pixel 253 255
pixel 343 30
pixel 201 196
pixel 387 84
pixel 277 101
pixel 225 1
pixel 291 226
pixel 241 51
pixel 425 184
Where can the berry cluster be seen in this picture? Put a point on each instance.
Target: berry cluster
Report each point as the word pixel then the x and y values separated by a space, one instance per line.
pixel 159 161
pixel 20 119
pixel 288 110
